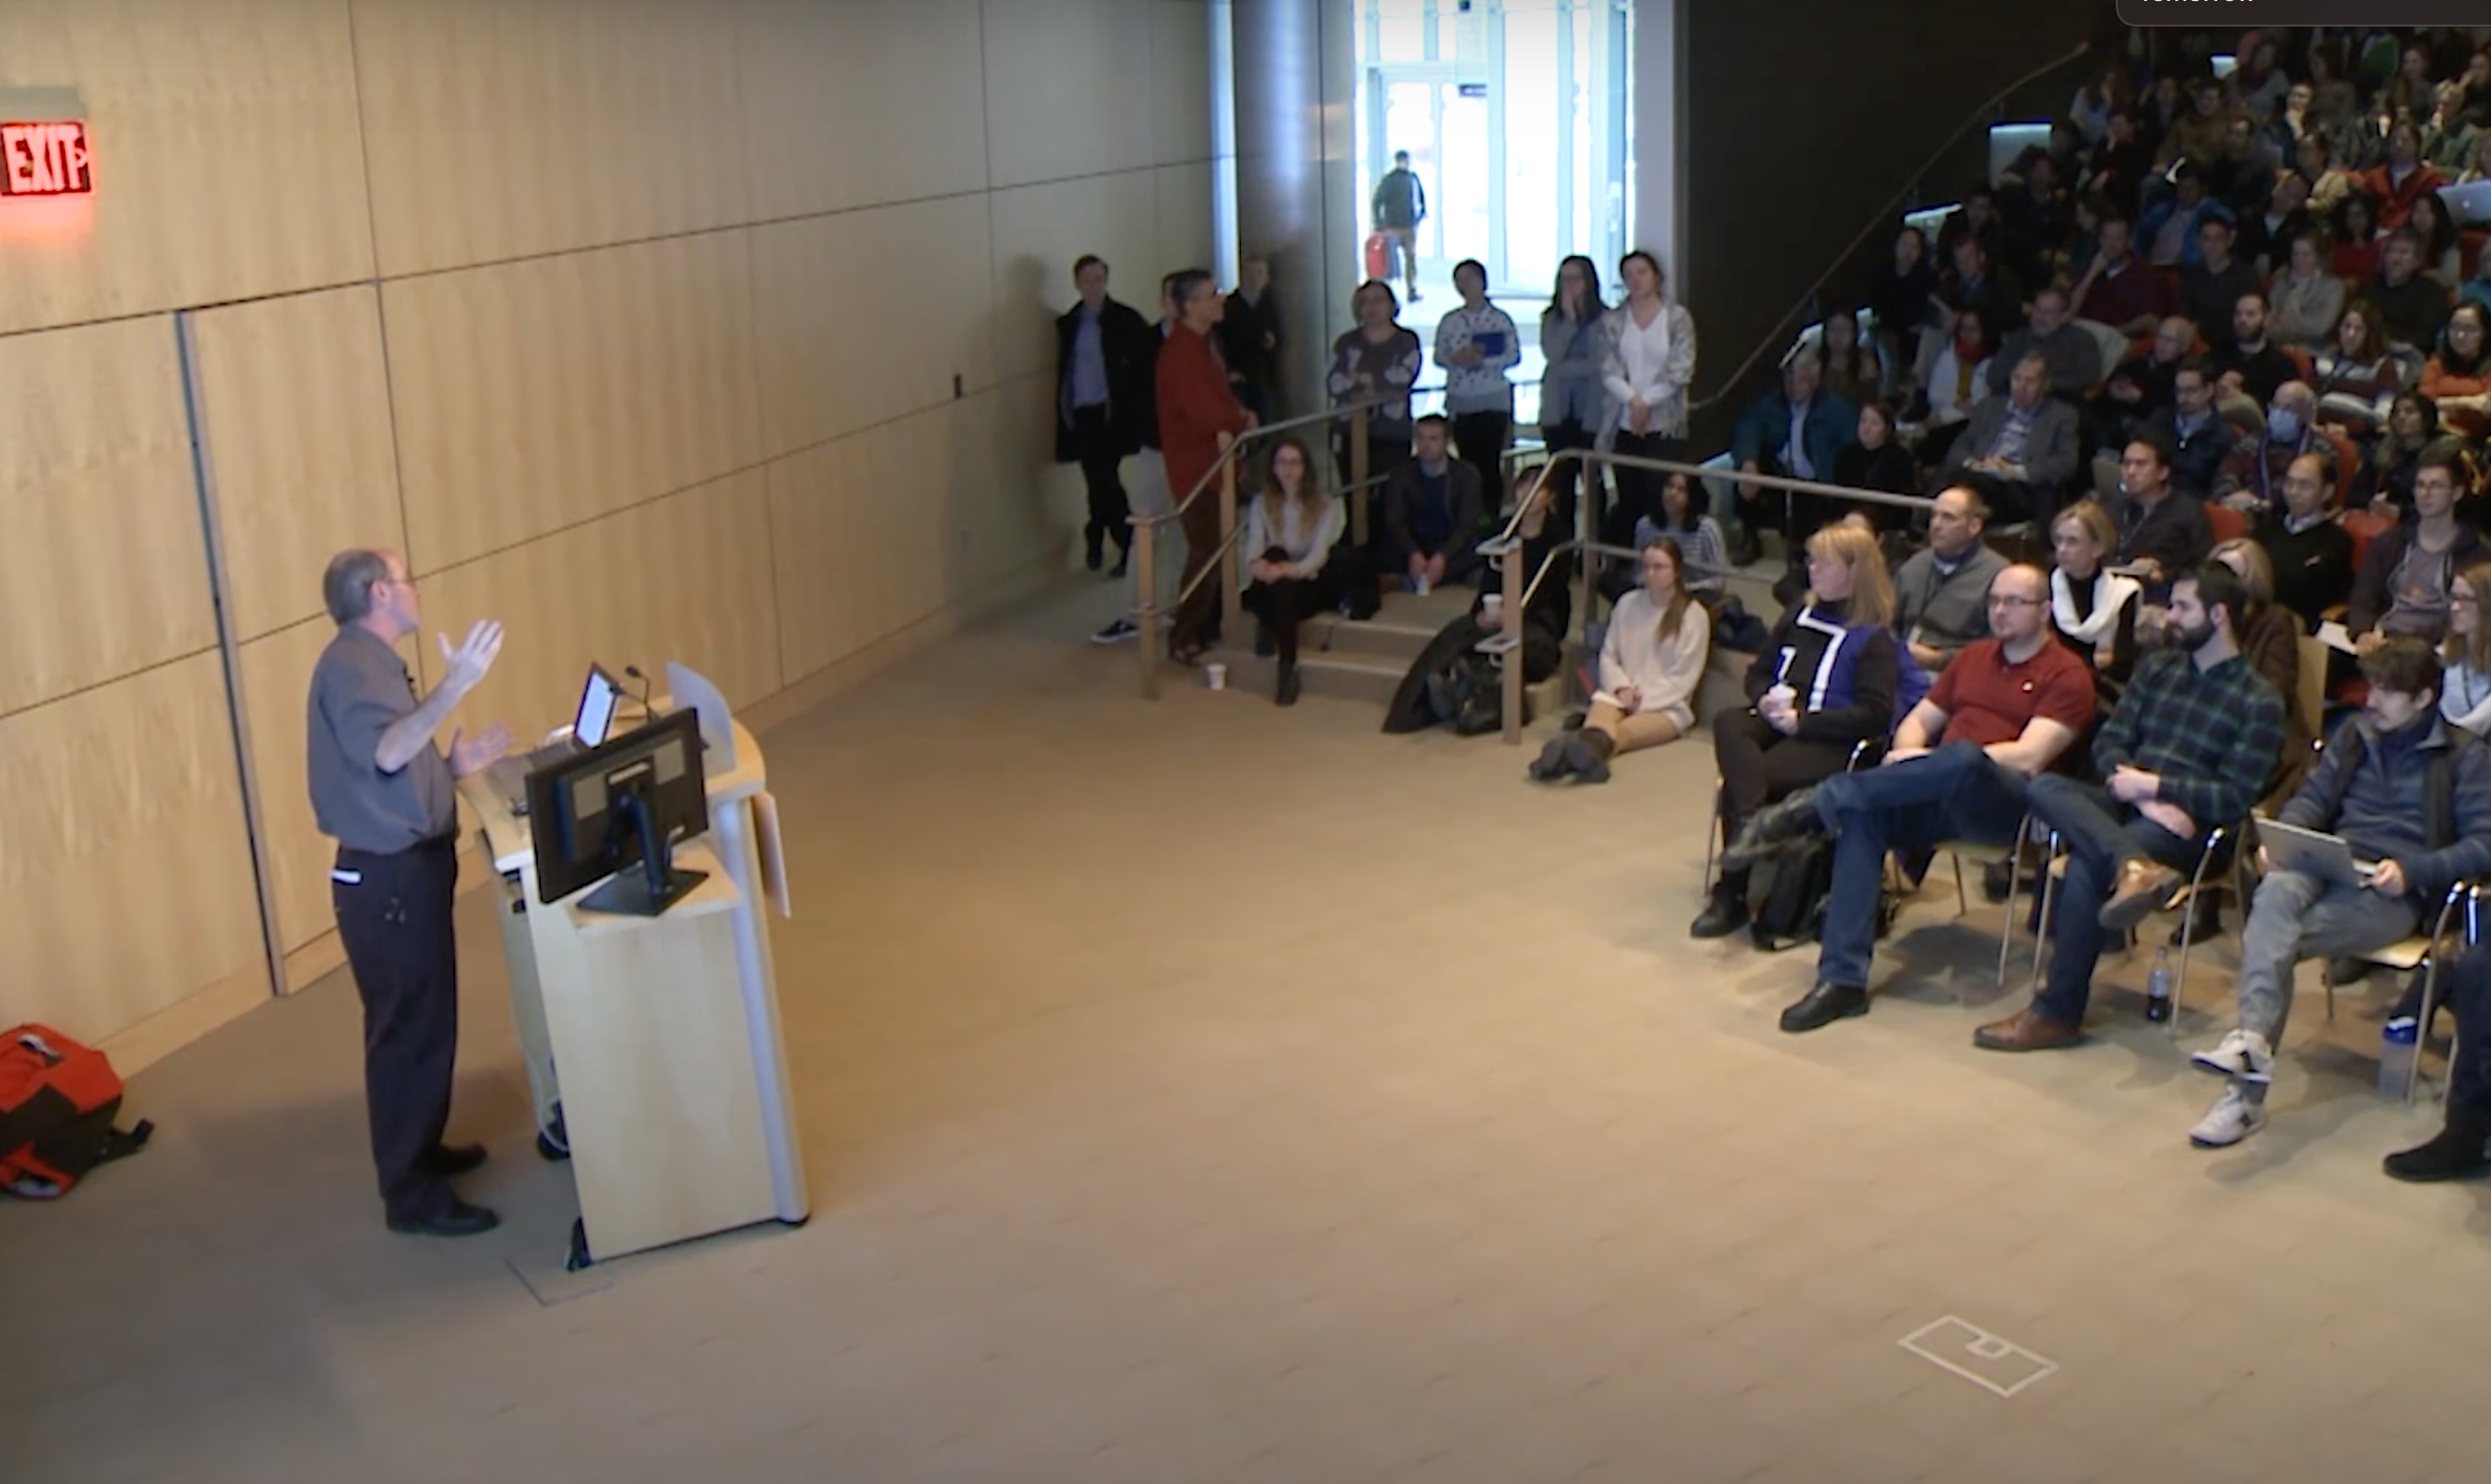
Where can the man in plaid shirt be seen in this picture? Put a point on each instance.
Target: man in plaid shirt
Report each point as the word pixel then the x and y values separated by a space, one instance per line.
pixel 2196 735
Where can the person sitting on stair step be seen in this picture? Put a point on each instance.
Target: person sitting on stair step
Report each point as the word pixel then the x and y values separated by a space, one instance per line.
pixel 1660 639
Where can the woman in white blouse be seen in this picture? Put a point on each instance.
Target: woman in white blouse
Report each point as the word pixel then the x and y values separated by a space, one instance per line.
pixel 1658 641
pixel 2464 690
pixel 1958 379
pixel 1649 360
pixel 1290 528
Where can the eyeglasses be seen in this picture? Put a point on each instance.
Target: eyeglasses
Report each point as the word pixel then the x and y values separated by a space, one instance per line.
pixel 1995 600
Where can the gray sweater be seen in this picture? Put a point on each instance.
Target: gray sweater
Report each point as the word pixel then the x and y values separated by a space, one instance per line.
pixel 1945 610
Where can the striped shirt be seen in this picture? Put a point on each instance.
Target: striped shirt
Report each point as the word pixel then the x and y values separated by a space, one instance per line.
pixel 2211 735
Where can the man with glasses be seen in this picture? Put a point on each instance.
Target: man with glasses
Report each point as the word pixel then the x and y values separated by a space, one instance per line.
pixel 382 789
pixel 2006 709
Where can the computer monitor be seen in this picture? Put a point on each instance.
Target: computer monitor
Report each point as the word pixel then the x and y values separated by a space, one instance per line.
pixel 617 811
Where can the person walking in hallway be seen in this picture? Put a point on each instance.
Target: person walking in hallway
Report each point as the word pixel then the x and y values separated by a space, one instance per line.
pixel 1198 418
pixel 384 790
pixel 1102 347
pixel 1400 204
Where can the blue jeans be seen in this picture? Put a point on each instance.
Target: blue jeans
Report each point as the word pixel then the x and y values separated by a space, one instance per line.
pixel 1955 793
pixel 2102 834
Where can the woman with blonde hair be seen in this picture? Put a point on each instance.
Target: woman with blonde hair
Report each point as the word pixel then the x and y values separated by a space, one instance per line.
pixel 1653 659
pixel 2464 691
pixel 2092 609
pixel 1826 682
pixel 2271 641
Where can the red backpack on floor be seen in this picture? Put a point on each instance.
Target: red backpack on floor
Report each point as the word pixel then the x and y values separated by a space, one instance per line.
pixel 57 1102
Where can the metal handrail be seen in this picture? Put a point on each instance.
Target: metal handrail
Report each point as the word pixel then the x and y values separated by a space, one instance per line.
pixel 1235 449
pixel 1883 216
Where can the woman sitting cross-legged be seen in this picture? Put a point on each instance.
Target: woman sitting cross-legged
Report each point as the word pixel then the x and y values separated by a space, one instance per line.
pixel 1659 640
pixel 1824 684
pixel 1290 527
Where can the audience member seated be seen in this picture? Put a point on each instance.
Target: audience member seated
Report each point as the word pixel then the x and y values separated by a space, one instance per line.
pixel 2252 480
pixel 2449 135
pixel 2457 1151
pixel 2266 237
pixel 1941 592
pixel 2200 442
pixel 2026 440
pixel 2404 790
pixel 1699 538
pixel 1793 431
pixel 1874 460
pixel 1651 664
pixel 2412 306
pixel 2402 177
pixel 2008 708
pixel 1292 526
pixel 2070 351
pixel 2307 300
pixel 1431 511
pixel 2359 249
pixel 2408 571
pixel 1426 698
pixel 2385 486
pixel 2211 289
pixel 2162 529
pixel 1973 284
pixel 2118 289
pixel 2310 551
pixel 2269 638
pixel 1849 368
pixel 2331 184
pixel 2173 228
pixel 2465 692
pixel 2142 385
pixel 1825 685
pixel 2477 289
pixel 2183 753
pixel 2459 378
pixel 1958 381
pixel 1900 298
pixel 2246 359
pixel 1974 218
pixel 2093 610
pixel 2121 165
pixel 2355 377
pixel 2434 233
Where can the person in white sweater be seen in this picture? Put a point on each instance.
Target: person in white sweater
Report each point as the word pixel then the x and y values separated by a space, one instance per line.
pixel 1291 528
pixel 2464 691
pixel 1653 660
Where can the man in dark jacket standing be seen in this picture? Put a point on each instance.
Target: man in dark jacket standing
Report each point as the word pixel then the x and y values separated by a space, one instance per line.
pixel 1102 350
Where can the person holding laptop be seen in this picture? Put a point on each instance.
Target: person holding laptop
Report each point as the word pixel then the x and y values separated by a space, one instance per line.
pixel 2401 788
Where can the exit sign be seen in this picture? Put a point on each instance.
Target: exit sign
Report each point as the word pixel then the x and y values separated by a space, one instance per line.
pixel 45 160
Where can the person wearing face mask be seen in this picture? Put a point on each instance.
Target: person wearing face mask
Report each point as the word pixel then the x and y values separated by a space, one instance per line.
pixel 2311 554
pixel 2252 480
pixel 2403 789
pixel 2407 572
pixel 2067 350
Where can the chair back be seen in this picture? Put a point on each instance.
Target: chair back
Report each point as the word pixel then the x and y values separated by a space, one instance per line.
pixel 2313 696
pixel 2226 523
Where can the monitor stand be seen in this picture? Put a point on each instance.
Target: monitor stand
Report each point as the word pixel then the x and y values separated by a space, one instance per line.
pixel 653 884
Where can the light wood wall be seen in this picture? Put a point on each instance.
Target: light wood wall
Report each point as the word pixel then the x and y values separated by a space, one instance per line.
pixel 713 330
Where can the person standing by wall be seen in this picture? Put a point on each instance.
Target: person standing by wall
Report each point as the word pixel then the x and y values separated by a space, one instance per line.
pixel 1573 403
pixel 1377 362
pixel 1150 494
pixel 1198 418
pixel 1475 345
pixel 1102 347
pixel 1400 204
pixel 384 790
pixel 1250 337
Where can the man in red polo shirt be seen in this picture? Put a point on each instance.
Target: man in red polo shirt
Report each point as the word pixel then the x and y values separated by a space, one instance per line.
pixel 2009 708
pixel 1199 417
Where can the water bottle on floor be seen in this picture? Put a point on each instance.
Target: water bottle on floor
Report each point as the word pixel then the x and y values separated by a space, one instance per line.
pixel 2158 987
pixel 2399 1046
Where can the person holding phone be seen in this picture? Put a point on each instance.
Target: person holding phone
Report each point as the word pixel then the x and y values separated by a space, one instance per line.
pixel 1475 345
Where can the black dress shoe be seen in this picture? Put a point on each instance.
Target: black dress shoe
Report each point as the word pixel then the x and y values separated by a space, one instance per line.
pixel 454 1159
pixel 1772 827
pixel 459 1220
pixel 1723 915
pixel 1823 1005
pixel 1124 560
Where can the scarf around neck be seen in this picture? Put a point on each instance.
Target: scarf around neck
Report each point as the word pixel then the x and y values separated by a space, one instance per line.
pixel 2110 594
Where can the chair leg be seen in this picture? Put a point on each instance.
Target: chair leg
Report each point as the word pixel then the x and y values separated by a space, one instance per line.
pixel 2421 1035
pixel 1962 903
pixel 2049 899
pixel 1713 840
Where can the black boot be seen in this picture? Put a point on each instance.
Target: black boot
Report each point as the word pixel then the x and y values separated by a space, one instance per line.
pixel 1124 559
pixel 1556 761
pixel 1286 692
pixel 1774 827
pixel 1725 912
pixel 1093 546
pixel 2454 1153
pixel 1589 753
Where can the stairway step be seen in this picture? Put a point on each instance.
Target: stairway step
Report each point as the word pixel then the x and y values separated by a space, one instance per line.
pixel 1359 677
pixel 1383 636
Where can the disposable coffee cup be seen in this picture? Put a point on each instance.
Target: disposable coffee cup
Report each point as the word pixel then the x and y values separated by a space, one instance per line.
pixel 1492 607
pixel 1216 677
pixel 1781 695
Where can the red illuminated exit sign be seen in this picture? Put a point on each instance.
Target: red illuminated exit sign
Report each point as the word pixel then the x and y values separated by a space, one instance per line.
pixel 45 160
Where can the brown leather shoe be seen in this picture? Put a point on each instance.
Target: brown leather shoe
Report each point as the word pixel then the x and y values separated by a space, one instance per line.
pixel 2027 1030
pixel 2142 886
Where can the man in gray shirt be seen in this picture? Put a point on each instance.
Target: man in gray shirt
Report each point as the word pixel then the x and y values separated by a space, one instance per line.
pixel 384 790
pixel 1941 593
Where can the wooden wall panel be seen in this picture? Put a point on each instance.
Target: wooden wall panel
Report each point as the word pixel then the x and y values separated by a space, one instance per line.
pixel 860 103
pixel 297 413
pixel 537 395
pixel 1180 81
pixel 1070 89
pixel 226 158
pixel 1040 230
pixel 501 128
pixel 867 315
pixel 104 569
pixel 685 578
pixel 125 876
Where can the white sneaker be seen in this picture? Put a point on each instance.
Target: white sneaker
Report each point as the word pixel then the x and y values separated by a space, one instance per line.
pixel 2232 1119
pixel 2242 1053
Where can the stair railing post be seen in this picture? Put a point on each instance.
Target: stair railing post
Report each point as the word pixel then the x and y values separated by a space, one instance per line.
pixel 1231 597
pixel 1510 617
pixel 1358 493
pixel 1145 616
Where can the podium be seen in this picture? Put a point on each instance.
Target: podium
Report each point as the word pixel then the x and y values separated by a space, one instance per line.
pixel 653 1044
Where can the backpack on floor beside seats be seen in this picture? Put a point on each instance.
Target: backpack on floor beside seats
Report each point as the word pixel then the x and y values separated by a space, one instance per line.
pixel 58 1099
